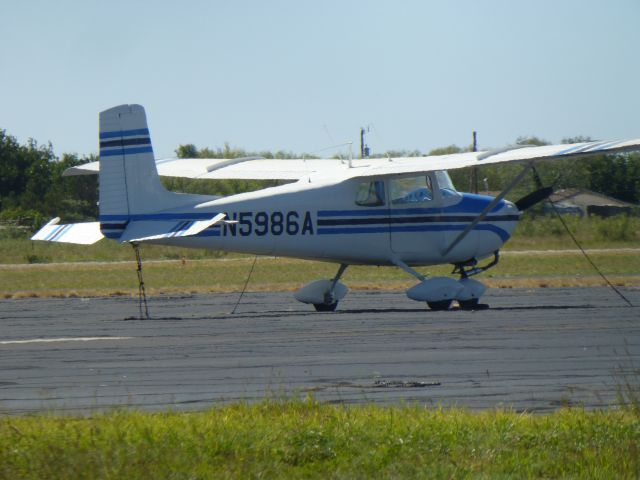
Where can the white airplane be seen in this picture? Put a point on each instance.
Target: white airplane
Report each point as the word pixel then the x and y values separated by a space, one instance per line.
pixel 374 211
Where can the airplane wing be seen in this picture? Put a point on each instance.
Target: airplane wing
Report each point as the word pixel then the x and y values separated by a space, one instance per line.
pixel 245 168
pixel 518 153
pixel 258 168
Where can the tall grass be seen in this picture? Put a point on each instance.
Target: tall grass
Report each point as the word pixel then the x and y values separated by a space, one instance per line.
pixel 627 377
pixel 306 439
pixel 591 232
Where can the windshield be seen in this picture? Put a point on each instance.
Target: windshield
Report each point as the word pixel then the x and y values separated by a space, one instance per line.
pixel 444 180
pixel 420 189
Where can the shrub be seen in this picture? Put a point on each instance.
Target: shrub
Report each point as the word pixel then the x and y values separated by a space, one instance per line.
pixel 618 228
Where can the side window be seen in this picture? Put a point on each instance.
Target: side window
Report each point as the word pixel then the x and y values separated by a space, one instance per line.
pixel 411 190
pixel 370 194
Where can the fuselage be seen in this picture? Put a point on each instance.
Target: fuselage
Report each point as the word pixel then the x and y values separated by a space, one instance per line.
pixel 369 221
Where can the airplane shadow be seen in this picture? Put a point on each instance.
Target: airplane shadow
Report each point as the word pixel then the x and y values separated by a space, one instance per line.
pixel 455 309
pixel 361 311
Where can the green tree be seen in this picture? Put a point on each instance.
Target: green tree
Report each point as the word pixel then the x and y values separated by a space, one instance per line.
pixel 75 196
pixel 24 172
pixel 617 176
pixel 532 140
pixel 12 170
pixel 446 150
pixel 188 150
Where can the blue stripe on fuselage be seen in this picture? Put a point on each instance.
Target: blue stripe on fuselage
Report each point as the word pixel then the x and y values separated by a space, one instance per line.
pixel 443 219
pixel 503 234
pixel 159 216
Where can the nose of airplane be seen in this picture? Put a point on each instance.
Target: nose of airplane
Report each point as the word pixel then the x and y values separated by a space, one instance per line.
pixel 509 207
pixel 510 212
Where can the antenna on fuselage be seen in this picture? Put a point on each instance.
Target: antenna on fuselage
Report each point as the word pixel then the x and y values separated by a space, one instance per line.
pixel 350 154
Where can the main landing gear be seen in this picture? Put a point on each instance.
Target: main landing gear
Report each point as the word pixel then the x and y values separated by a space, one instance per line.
pixel 324 295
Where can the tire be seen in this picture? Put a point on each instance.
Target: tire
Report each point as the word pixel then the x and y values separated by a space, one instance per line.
pixel 440 305
pixel 325 307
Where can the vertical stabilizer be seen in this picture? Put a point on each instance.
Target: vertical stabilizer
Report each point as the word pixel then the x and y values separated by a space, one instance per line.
pixel 129 183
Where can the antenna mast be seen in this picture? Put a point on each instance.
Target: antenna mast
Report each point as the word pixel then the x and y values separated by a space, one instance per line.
pixel 474 170
pixel 364 148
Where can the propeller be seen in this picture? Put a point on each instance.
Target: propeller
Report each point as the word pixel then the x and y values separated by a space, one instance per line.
pixel 533 198
pixel 541 194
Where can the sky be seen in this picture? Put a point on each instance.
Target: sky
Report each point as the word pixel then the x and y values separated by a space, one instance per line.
pixel 301 76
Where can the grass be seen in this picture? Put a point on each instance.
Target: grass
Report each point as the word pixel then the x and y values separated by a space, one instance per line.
pixel 306 439
pixel 22 250
pixel 270 274
pixel 592 232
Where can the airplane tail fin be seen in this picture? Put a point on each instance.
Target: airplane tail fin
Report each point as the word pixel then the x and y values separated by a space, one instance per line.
pixel 130 188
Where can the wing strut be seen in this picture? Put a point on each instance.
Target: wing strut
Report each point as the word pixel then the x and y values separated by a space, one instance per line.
pixel 488 209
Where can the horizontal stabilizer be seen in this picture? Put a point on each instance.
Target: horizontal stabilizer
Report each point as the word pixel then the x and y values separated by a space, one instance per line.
pixel 80 233
pixel 186 228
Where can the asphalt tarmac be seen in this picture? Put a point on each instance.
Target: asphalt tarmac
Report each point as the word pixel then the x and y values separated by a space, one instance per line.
pixel 532 350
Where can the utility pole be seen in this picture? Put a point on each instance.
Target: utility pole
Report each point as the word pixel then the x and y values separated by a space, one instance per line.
pixel 364 149
pixel 474 170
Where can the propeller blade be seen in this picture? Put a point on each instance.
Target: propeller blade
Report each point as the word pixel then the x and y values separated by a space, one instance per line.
pixel 533 198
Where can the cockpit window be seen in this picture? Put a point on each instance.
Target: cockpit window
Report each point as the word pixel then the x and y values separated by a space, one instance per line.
pixel 411 190
pixel 370 194
pixel 445 185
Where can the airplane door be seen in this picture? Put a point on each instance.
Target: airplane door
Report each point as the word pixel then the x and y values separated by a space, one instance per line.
pixel 412 208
